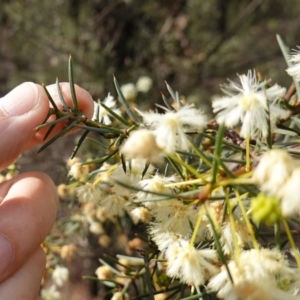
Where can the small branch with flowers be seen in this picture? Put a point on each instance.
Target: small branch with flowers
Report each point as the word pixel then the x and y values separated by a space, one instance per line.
pixel 207 192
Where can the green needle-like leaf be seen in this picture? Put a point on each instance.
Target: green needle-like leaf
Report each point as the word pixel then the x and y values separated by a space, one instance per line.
pixel 49 131
pixel 56 121
pixel 286 54
pixel 218 244
pixel 172 93
pixel 145 169
pixel 61 98
pixel 72 86
pixel 124 102
pixel 118 117
pixel 123 163
pixel 168 105
pixel 130 187
pixel 50 98
pixel 60 134
pixel 172 162
pixel 102 159
pixel 148 278
pixel 217 153
pixel 82 138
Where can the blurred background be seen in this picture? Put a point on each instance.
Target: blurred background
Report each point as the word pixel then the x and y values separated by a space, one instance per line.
pixel 194 45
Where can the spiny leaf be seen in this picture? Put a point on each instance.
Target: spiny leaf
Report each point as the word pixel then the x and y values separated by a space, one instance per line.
pixel 72 85
pixel 60 134
pixel 124 102
pixel 82 138
pixel 61 98
pixel 118 117
pixel 50 98
pixel 168 105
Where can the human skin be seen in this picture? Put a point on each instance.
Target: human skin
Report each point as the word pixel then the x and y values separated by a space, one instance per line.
pixel 29 201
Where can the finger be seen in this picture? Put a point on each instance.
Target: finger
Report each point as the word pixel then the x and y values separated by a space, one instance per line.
pixel 27 213
pixel 20 111
pixel 26 107
pixel 25 283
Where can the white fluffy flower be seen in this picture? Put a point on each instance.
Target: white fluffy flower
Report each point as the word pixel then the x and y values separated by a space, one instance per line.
pixel 254 267
pixel 134 171
pixel 60 275
pixel 290 195
pixel 120 296
pixel 103 114
pixel 114 204
pixel 227 238
pixel 163 239
pixel 140 214
pixel 78 171
pixel 51 294
pixel 95 227
pixel 144 84
pixel 88 193
pixel 190 265
pixel 141 143
pixel 129 91
pixel 105 274
pixel 295 69
pixel 169 128
pixel 257 291
pixel 273 170
pixel 249 103
pixel 155 184
pixel 174 216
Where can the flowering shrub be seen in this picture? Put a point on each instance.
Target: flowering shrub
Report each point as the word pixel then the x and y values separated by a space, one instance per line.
pixel 208 192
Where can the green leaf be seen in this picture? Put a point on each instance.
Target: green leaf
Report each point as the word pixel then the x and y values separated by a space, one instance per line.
pixel 124 102
pixel 123 163
pixel 177 169
pixel 218 244
pixel 72 85
pixel 118 117
pixel 172 93
pixel 145 169
pixel 102 129
pixel 148 278
pixel 102 159
pixel 286 54
pixel 82 138
pixel 49 131
pixel 217 153
pixel 56 121
pixel 103 146
pixel 168 105
pixel 130 187
pixel 50 98
pixel 60 134
pixel 61 98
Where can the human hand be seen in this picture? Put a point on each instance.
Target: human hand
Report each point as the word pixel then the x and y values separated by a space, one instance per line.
pixel 29 201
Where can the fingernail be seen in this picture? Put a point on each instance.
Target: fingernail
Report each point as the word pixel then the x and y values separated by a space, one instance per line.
pixel 6 254
pixel 20 100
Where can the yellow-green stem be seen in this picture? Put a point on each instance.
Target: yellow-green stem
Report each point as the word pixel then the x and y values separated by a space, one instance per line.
pixel 292 242
pixel 232 225
pixel 248 154
pixel 197 226
pixel 247 221
pixel 189 168
pixel 201 155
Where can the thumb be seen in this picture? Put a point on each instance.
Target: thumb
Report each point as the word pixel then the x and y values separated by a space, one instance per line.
pixel 21 111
